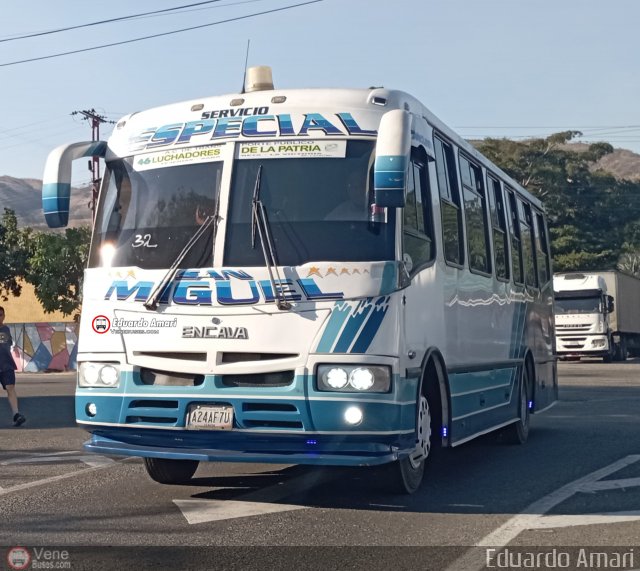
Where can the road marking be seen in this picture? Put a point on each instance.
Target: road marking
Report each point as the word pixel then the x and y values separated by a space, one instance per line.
pixel 201 511
pixel 551 521
pixel 533 516
pixel 611 485
pixel 96 462
pixel 258 502
pixel 466 505
pixel 93 460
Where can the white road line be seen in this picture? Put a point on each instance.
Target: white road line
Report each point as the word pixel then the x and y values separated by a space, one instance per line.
pixel 259 502
pixel 531 516
pixel 62 457
pixel 44 481
pixel 551 521
pixel 201 511
pixel 611 485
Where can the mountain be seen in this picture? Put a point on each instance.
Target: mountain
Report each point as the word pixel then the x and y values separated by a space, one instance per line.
pixel 622 163
pixel 24 197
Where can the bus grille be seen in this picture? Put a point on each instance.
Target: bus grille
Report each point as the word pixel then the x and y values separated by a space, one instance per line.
pixel 271 415
pixel 278 379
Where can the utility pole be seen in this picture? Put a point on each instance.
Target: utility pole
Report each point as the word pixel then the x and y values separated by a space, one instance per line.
pixel 94 163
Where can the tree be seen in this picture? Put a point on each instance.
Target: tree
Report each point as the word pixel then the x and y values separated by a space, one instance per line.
pixel 588 210
pixel 14 254
pixel 56 268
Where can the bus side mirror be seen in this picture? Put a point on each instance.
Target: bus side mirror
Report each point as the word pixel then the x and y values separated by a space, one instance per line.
pixel 393 150
pixel 56 181
pixel 610 304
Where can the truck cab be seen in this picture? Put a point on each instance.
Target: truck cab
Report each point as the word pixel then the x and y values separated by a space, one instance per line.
pixel 582 309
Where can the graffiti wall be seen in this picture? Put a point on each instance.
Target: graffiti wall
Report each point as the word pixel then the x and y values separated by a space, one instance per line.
pixel 44 346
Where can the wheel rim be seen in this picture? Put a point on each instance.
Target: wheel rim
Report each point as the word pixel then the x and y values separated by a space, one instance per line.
pixel 423 445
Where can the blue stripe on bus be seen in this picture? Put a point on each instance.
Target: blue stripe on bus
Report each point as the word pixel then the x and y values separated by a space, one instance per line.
pixel 98 149
pixel 355 321
pixel 390 172
pixel 55 203
pixel 391 163
pixel 339 314
pixel 371 326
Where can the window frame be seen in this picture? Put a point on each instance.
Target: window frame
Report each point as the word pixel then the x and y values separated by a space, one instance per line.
pixel 500 209
pixel 524 208
pixel 479 192
pixel 419 162
pixel 515 233
pixel 451 198
pixel 542 239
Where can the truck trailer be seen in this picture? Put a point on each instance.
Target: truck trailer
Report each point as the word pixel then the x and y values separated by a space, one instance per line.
pixel 597 314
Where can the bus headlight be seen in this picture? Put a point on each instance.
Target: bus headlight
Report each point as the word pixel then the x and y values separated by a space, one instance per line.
pixel 109 375
pixel 336 378
pixel 361 379
pixel 98 375
pixel 90 374
pixel 354 378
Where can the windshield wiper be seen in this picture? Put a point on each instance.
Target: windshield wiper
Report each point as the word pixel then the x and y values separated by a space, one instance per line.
pixel 260 222
pixel 154 296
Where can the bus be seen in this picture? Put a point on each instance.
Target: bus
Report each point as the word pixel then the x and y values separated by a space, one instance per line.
pixel 305 276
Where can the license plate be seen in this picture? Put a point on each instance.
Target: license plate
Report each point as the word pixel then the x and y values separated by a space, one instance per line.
pixel 210 417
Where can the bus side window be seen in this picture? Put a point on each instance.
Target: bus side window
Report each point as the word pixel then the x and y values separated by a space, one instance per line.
pixel 528 244
pixel 450 210
pixel 418 228
pixel 516 247
pixel 499 228
pixel 542 250
pixel 475 212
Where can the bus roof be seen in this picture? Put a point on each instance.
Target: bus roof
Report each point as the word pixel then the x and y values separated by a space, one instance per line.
pixel 366 105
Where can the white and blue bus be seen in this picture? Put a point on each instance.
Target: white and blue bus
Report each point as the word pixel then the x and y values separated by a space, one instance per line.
pixel 305 276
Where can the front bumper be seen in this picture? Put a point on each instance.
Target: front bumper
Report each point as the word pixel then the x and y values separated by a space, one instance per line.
pixel 294 424
pixel 237 447
pixel 583 345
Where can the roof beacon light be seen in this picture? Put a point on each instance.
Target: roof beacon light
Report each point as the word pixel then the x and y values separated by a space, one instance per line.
pixel 258 78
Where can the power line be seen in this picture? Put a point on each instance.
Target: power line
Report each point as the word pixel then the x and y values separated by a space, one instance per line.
pixel 161 34
pixel 120 19
pixel 96 120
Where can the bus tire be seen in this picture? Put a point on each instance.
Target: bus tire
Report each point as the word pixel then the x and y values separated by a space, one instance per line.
pixel 518 432
pixel 165 471
pixel 404 476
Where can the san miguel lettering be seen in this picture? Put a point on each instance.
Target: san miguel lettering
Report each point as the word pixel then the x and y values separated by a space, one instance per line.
pixel 214 332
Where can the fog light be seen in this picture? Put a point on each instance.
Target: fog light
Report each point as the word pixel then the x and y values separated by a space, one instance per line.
pixel 91 409
pixel 353 415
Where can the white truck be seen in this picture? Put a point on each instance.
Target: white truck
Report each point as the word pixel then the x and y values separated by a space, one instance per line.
pixel 597 314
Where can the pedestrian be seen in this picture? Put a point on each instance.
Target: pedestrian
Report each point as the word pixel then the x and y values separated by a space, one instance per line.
pixel 7 370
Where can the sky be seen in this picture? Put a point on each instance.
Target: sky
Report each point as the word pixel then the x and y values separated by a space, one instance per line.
pixel 499 68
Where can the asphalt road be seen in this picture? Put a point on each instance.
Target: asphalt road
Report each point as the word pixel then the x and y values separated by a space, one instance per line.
pixel 573 490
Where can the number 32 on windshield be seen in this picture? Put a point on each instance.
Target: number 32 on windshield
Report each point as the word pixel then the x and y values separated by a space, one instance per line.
pixel 143 240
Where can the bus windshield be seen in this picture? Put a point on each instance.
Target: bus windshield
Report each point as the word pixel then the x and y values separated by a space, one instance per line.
pixel 318 209
pixel 146 217
pixel 565 305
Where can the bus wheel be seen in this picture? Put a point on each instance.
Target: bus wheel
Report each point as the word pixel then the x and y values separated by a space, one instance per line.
pixel 518 432
pixel 404 476
pixel 167 471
